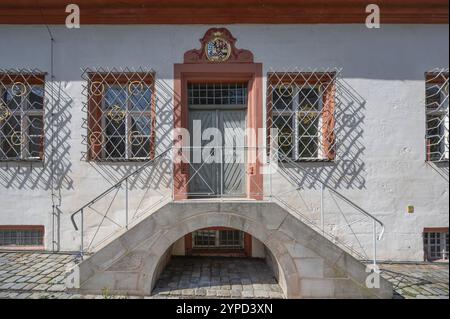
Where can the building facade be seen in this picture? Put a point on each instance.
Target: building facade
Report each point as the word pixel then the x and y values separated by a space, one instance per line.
pixel 342 126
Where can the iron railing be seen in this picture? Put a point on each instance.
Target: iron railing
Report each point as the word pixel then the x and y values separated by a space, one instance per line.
pixel 363 218
pixel 103 206
pixel 346 234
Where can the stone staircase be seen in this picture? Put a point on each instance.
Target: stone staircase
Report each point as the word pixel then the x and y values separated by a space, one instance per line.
pixel 306 264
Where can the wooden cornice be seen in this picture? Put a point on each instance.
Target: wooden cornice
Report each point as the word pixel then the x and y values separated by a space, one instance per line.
pixel 223 11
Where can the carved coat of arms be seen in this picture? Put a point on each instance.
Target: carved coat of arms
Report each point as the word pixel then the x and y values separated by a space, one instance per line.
pixel 218 49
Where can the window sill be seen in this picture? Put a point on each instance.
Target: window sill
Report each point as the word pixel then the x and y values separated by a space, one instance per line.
pixel 28 160
pixel 312 160
pixel 121 161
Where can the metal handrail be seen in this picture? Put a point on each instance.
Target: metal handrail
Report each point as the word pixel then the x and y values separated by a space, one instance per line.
pixel 343 197
pixel 115 186
pixel 324 185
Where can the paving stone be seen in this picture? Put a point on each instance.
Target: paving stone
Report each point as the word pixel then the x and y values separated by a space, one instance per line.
pixel 56 288
pixel 41 287
pixel 7 285
pixel 223 293
pixel 188 292
pixel 261 293
pixel 275 295
pixel 44 280
pixel 24 295
pixel 29 286
pixel 12 279
pixel 18 286
pixel 200 292
pixel 247 294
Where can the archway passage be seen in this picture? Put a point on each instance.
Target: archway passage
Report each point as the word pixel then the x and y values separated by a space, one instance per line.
pixel 217 277
pixel 218 262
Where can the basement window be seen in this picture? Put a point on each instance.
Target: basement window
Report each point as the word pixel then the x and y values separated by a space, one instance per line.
pixel 121 116
pixel 435 243
pixel 21 116
pixel 225 239
pixel 301 109
pixel 437 116
pixel 22 236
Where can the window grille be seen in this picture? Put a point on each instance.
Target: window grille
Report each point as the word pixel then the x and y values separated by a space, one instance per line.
pixel 231 239
pixel 21 115
pixel 301 107
pixel 224 239
pixel 435 245
pixel 205 238
pixel 437 115
pixel 217 93
pixel 121 114
pixel 28 236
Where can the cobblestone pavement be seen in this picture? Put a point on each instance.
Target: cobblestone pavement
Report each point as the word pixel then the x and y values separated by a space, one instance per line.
pixel 417 281
pixel 42 275
pixel 33 275
pixel 217 277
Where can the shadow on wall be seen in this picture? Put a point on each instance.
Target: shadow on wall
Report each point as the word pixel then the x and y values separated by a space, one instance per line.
pixel 347 171
pixel 441 168
pixel 56 167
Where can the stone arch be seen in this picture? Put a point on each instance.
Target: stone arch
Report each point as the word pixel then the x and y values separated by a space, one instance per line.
pixel 310 265
pixel 286 266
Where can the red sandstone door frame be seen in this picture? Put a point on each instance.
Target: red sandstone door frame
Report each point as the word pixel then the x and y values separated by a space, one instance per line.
pixel 223 72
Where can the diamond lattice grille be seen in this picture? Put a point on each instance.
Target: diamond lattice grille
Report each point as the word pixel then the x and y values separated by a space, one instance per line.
pixel 21 115
pixel 120 109
pixel 437 115
pixel 301 107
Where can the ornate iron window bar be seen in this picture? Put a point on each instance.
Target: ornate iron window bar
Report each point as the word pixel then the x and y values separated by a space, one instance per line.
pixel 301 107
pixel 217 93
pixel 22 95
pixel 437 115
pixel 221 239
pixel 120 111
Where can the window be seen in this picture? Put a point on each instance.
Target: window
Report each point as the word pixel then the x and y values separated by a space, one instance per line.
pixel 435 243
pixel 20 236
pixel 224 238
pixel 301 108
pixel 121 116
pixel 437 116
pixel 217 94
pixel 21 116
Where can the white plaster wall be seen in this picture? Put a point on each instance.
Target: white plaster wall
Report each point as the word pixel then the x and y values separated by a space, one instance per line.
pixel 384 67
pixel 258 248
pixel 178 248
